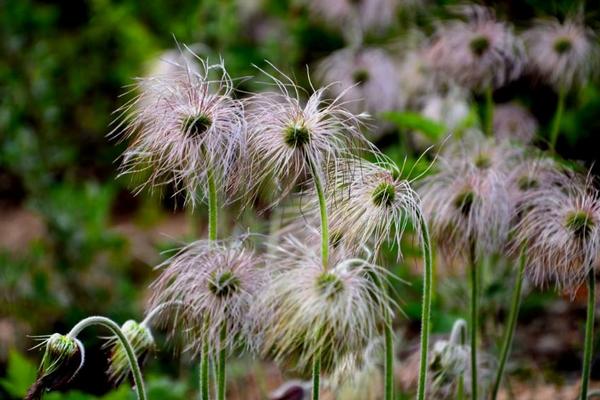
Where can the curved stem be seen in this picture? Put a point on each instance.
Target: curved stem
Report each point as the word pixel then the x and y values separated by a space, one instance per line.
pixel 426 306
pixel 589 334
pixel 489 111
pixel 474 316
pixel 512 323
pixel 131 356
pixel 221 365
pixel 212 207
pixel 560 107
pixel 316 377
pixel 389 359
pixel 323 209
pixel 459 336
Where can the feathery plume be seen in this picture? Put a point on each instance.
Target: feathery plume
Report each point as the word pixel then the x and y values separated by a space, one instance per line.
pixel 479 53
pixel 514 122
pixel 365 78
pixel 307 311
pixel 562 54
pixel 287 137
pixel 560 229
pixel 183 127
pixel 214 283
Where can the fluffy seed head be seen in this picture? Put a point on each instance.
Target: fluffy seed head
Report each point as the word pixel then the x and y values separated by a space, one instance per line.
pixel 215 283
pixel 513 122
pixel 182 126
pixel 479 53
pixel 467 205
pixel 141 340
pixel 307 310
pixel 562 54
pixel 366 79
pixel 361 15
pixel 286 136
pixel 371 204
pixel 560 229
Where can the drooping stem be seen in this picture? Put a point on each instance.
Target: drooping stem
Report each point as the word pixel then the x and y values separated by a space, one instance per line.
pixel 426 306
pixel 316 377
pixel 589 334
pixel 131 356
pixel 323 211
pixel 511 324
pixel 459 336
pixel 489 110
pixel 212 207
pixel 221 365
pixel 474 317
pixel 555 128
pixel 204 369
pixel 389 359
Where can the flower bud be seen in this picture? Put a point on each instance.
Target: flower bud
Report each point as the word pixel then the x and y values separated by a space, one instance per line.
pixel 142 342
pixel 63 357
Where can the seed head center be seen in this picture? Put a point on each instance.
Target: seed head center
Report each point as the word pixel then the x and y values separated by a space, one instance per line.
pixel 580 223
pixel 562 45
pixel 224 284
pixel 196 125
pixel 296 136
pixel 384 194
pixel 479 45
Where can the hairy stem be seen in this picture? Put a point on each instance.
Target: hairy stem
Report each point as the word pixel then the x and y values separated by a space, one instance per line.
pixel 316 377
pixel 560 108
pixel 474 317
pixel 489 111
pixel 459 336
pixel 511 325
pixel 589 334
pixel 323 209
pixel 426 306
pixel 389 359
pixel 221 381
pixel 131 356
pixel 212 207
pixel 204 369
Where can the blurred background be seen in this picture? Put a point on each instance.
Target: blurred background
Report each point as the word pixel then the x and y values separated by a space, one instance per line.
pixel 75 241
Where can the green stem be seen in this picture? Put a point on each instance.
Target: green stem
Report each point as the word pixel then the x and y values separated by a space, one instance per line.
pixel 212 207
pixel 316 377
pixel 489 111
pixel 131 356
pixel 459 336
pixel 221 365
pixel 426 306
pixel 323 209
pixel 389 359
pixel 560 107
pixel 204 372
pixel 474 316
pixel 512 323
pixel 589 334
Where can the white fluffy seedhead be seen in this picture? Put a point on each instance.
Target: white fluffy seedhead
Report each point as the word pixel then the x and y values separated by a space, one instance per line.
pixel 479 53
pixel 356 17
pixel 562 54
pixel 307 310
pixel 181 127
pixel 214 284
pixel 286 135
pixel 514 122
pixel 366 78
pixel 370 204
pixel 560 230
pixel 467 208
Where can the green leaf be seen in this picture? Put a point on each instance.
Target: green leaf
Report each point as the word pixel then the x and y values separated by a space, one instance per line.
pixel 20 374
pixel 414 121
